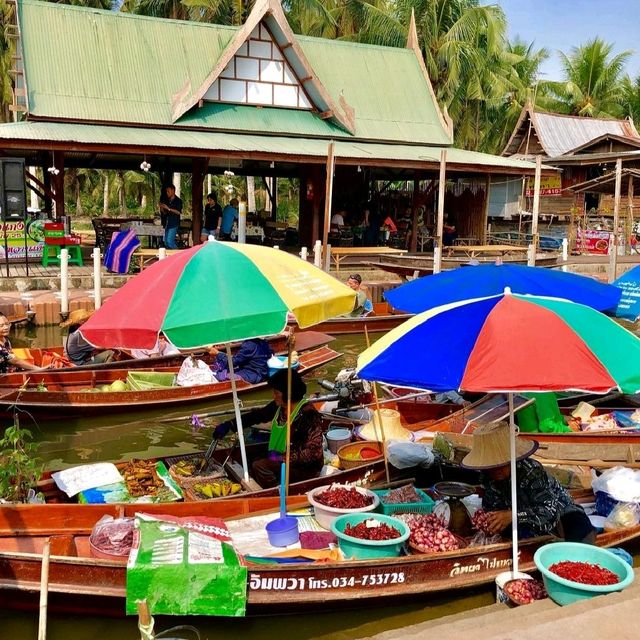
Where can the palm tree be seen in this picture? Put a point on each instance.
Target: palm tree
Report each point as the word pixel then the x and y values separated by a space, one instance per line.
pixel 631 98
pixel 6 51
pixel 592 84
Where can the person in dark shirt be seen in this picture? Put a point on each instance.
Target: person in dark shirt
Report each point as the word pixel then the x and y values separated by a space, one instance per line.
pixel 249 362
pixel 76 348
pixel 8 360
pixel 306 455
pixel 211 218
pixel 170 210
pixel 544 507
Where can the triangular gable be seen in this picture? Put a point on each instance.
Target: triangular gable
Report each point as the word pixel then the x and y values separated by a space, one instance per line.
pixel 259 75
pixel 269 14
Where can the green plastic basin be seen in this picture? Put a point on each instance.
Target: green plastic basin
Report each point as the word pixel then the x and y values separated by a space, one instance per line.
pixel 356 549
pixel 565 591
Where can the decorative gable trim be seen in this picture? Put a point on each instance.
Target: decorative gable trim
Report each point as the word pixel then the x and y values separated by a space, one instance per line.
pixel 270 12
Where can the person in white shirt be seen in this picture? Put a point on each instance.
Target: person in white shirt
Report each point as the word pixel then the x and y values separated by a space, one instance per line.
pixel 337 221
pixel 163 348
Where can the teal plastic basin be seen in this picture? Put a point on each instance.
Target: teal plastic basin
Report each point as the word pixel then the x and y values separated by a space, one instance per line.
pixel 566 591
pixel 356 549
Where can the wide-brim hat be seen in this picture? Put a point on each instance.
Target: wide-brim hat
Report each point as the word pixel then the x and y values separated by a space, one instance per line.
pixel 77 316
pixel 491 447
pixel 391 425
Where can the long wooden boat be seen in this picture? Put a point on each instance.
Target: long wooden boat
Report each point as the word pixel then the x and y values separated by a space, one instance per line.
pixel 383 318
pixel 82 584
pixel 304 341
pixel 63 395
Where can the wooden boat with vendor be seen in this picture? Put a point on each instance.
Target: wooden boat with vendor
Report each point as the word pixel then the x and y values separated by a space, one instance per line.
pixel 81 583
pixel 71 393
pixel 305 341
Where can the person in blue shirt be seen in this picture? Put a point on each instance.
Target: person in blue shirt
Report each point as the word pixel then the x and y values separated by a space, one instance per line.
pixel 229 216
pixel 170 210
pixel 249 362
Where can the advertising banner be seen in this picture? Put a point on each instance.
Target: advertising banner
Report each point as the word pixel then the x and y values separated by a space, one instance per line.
pixel 15 230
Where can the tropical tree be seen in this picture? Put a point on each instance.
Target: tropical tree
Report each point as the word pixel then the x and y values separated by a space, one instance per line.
pixel 631 98
pixel 6 51
pixel 592 80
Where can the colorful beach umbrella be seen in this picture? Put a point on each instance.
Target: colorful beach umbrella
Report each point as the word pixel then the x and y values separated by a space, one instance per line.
pixel 507 343
pixel 488 280
pixel 629 285
pixel 216 292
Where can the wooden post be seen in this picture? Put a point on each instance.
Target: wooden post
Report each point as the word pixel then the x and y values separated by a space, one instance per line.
pixel 328 196
pixel 198 168
pixel 485 218
pixel 44 591
pixel 58 183
pixel 97 278
pixel 413 243
pixel 536 210
pixel 442 185
pixel 630 220
pixel 613 254
pixel 64 283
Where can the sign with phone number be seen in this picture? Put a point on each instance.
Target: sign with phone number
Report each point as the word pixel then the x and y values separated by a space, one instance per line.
pixel 259 583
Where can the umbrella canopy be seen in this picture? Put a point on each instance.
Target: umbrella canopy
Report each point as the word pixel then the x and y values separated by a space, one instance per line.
pixel 216 292
pixel 507 343
pixel 488 280
pixel 629 285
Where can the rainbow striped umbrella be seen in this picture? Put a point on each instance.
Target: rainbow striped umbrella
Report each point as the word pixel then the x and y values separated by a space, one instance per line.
pixel 216 292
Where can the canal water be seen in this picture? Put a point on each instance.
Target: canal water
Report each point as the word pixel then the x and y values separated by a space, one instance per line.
pixel 72 442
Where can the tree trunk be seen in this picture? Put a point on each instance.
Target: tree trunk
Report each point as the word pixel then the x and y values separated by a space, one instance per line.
pixel 105 196
pixel 122 200
pixel 143 202
pixel 177 181
pixel 79 209
pixel 251 194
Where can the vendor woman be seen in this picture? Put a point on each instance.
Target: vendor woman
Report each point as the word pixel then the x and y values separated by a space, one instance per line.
pixel 544 507
pixel 306 456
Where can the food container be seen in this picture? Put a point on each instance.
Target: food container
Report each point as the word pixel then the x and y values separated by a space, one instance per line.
pixel 112 533
pixel 326 515
pixel 358 549
pixel 283 531
pixel 424 506
pixel 337 437
pixel 501 581
pixel 356 454
pixel 564 591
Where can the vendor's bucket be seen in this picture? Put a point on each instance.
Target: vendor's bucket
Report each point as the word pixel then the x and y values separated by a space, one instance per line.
pixel 283 532
pixel 502 579
pixel 337 437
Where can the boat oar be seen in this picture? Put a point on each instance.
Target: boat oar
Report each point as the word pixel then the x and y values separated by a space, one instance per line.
pixel 215 414
pixel 207 456
pixel 44 590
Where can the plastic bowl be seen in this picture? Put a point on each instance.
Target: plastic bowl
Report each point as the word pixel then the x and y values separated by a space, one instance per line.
pixel 283 531
pixel 337 438
pixel 564 591
pixel 326 515
pixel 357 549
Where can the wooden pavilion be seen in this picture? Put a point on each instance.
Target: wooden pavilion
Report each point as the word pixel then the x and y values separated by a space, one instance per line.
pixel 104 89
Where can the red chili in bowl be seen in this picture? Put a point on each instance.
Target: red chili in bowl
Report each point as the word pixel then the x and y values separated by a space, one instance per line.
pixel 584 573
pixel 343 498
pixel 363 532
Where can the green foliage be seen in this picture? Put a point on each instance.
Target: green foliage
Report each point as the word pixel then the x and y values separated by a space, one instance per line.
pixel 20 467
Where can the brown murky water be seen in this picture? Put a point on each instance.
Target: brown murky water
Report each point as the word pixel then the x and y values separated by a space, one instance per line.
pixel 108 438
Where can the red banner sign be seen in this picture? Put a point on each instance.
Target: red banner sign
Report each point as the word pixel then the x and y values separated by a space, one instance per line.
pixel 592 241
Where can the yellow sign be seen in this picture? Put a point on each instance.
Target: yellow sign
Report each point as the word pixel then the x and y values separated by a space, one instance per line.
pixel 549 186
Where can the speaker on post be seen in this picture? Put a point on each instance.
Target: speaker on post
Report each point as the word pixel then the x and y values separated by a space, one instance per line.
pixel 13 199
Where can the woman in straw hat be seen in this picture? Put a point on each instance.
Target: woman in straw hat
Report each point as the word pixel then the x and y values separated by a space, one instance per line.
pixel 544 507
pixel 76 348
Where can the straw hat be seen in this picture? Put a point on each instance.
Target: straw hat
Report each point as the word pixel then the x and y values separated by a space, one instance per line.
pixel 490 447
pixel 77 316
pixel 393 429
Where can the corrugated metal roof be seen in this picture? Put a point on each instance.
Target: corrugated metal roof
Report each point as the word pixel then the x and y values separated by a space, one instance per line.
pixel 559 134
pixel 125 138
pixel 92 65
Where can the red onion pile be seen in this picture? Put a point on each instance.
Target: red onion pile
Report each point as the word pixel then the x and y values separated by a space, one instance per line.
pixel 480 521
pixel 381 531
pixel 429 535
pixel 584 573
pixel 343 498
pixel 525 591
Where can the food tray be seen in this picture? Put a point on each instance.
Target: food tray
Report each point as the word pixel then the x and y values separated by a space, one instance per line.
pixel 355 447
pixel 214 472
pixel 425 505
pixel 462 544
pixel 191 495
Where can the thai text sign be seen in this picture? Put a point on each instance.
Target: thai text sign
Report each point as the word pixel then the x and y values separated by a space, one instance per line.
pixel 15 230
pixel 592 241
pixel 549 186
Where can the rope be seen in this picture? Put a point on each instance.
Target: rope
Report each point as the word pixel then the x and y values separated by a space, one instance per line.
pixel 146 631
pixel 183 627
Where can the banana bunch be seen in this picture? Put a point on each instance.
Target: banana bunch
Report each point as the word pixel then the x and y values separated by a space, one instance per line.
pixel 217 488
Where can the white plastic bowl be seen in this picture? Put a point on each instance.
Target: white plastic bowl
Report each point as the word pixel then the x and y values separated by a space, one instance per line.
pixel 326 515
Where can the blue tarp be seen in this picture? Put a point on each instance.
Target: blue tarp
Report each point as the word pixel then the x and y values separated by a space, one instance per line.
pixel 629 305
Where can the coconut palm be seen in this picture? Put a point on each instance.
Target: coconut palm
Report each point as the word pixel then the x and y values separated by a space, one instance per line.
pixel 631 98
pixel 592 83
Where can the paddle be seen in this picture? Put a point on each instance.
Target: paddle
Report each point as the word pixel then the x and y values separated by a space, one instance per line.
pixel 207 456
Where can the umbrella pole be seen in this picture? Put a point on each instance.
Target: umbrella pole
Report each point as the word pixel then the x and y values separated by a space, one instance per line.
pixel 378 416
pixel 514 488
pixel 288 453
pixel 236 408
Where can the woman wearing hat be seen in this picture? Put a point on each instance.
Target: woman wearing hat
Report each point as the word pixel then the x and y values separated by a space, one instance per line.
pixel 306 456
pixel 544 507
pixel 8 359
pixel 76 348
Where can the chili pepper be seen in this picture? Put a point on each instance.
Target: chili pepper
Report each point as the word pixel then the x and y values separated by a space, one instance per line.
pixel 363 532
pixel 584 573
pixel 343 498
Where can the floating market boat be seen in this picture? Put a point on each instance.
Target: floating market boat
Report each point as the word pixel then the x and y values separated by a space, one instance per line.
pixel 383 318
pixel 84 584
pixel 304 341
pixel 68 393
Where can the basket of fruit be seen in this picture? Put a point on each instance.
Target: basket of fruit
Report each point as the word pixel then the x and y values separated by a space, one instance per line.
pixel 203 489
pixel 404 499
pixel 358 453
pixel 329 502
pixel 187 471
pixel 365 535
pixel 429 535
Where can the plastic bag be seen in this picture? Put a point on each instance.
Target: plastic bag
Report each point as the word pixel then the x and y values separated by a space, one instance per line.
pixel 113 537
pixel 481 539
pixel 623 516
pixel 621 483
pixel 194 372
pixel 403 455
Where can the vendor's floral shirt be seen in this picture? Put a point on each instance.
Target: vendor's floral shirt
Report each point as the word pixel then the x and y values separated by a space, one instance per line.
pixel 6 356
pixel 541 499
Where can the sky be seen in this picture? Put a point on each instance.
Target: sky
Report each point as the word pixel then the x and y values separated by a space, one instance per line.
pixel 562 24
